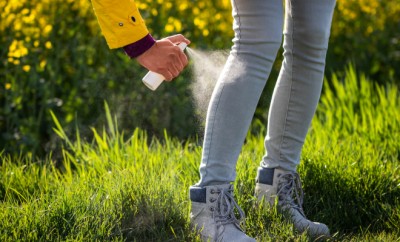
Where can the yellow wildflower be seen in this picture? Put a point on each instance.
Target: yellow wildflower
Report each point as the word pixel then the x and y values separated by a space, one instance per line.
pixel 183 6
pixel 42 64
pixel 48 45
pixel 42 21
pixel 178 25
pixel 196 11
pixel 26 68
pixel 17 26
pixel 369 30
pixel 25 11
pixel 8 86
pixel 17 49
pixel 169 28
pixel 199 23
pixel 142 6
pixel 28 19
pixel 47 29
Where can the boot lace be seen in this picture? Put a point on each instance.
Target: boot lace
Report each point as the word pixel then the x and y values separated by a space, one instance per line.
pixel 225 208
pixel 290 192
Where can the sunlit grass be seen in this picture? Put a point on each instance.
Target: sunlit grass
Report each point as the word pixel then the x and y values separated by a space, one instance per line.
pixel 130 187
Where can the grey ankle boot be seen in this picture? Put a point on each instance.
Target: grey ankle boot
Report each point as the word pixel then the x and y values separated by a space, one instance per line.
pixel 273 184
pixel 213 216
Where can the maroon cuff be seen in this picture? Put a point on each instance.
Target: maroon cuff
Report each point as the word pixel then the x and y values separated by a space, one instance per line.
pixel 139 47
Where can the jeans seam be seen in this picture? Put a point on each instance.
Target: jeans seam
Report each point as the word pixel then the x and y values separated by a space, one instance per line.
pixel 291 78
pixel 239 24
pixel 212 127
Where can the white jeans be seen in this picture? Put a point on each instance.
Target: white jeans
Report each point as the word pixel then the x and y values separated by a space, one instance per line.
pixel 258 28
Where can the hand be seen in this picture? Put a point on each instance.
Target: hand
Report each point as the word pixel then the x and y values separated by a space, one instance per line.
pixel 165 57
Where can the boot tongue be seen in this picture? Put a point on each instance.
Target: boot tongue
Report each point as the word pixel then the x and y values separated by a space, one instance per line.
pixel 224 187
pixel 285 187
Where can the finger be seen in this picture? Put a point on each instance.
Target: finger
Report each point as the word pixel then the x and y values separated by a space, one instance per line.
pixel 178 38
pixel 165 42
pixel 174 71
pixel 179 65
pixel 177 59
pixel 183 59
pixel 180 62
pixel 168 76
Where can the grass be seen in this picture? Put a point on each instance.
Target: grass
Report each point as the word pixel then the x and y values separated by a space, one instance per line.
pixel 131 187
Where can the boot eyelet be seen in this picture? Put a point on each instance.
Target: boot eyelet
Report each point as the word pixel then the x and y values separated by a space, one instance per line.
pixel 212 191
pixel 212 209
pixel 212 200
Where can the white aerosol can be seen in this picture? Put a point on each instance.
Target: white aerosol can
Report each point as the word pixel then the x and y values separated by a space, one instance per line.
pixel 152 80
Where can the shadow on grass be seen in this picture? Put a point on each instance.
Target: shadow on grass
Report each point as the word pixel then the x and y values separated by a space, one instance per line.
pixel 352 200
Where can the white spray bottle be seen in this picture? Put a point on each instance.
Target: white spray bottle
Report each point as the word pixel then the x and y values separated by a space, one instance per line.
pixel 152 80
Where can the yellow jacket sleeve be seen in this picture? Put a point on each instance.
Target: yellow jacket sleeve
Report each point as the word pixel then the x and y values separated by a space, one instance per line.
pixel 120 22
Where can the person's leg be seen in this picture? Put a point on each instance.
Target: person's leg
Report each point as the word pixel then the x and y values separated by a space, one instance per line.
pixel 297 91
pixel 258 33
pixel 295 98
pixel 258 28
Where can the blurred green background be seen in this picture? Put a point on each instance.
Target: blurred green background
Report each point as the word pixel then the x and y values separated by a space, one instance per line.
pixel 53 57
